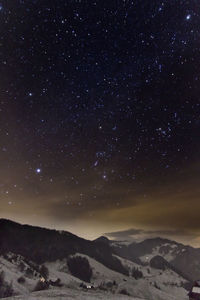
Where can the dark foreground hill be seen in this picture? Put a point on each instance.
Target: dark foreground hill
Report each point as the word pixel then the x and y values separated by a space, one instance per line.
pixel 41 245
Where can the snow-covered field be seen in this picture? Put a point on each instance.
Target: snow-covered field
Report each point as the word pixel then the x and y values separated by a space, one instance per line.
pixel 155 284
pixel 167 282
pixel 70 294
pixel 164 285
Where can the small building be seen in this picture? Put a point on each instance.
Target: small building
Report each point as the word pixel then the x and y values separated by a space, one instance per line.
pixel 194 293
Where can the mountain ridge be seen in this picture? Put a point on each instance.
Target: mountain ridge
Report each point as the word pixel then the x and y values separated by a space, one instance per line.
pixel 31 247
pixel 41 244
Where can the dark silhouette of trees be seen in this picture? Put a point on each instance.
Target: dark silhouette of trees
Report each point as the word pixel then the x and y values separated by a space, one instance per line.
pixel 80 267
pixel 41 245
pixel 44 272
pixel 124 292
pixel 158 262
pixel 136 273
pixel 21 280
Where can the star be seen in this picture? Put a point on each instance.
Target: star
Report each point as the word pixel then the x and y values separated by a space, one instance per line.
pixel 96 163
pixel 93 109
pixel 104 176
pixel 188 17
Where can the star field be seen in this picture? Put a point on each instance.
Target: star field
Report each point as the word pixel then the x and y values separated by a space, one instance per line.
pixel 99 111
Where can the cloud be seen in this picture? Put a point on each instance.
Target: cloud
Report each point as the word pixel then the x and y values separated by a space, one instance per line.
pixel 124 234
pixel 138 235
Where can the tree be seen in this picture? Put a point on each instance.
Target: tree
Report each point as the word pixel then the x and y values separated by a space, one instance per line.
pixel 124 292
pixel 158 262
pixel 21 266
pixel 29 272
pixel 136 273
pixel 21 280
pixel 80 267
pixel 44 272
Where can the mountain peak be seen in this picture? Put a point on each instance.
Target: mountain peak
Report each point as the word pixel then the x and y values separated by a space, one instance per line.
pixel 102 239
pixel 159 241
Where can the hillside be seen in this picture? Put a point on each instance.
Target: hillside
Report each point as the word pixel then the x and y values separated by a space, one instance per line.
pixel 146 274
pixel 40 244
pixel 69 294
pixel 105 281
pixel 184 259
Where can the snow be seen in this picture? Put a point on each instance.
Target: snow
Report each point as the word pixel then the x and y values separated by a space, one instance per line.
pixel 143 288
pixel 169 256
pixel 100 272
pixel 70 294
pixel 196 290
pixel 167 282
pixel 58 269
pixel 12 273
pixel 155 284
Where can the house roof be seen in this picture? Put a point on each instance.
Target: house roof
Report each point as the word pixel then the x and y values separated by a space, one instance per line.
pixel 196 290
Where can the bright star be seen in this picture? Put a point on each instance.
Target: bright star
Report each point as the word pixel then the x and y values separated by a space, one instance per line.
pixel 188 17
pixel 38 170
pixel 104 176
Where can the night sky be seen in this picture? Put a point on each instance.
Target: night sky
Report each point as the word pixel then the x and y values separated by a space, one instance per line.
pixel 99 115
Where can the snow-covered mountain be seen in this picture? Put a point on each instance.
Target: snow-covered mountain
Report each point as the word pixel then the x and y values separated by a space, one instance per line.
pixel 33 258
pixel 184 259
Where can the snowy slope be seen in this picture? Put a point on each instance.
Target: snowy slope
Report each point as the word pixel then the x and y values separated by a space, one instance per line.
pixel 101 273
pixel 167 251
pixel 70 294
pixel 153 285
pixel 12 271
pixel 167 281
pixel 58 269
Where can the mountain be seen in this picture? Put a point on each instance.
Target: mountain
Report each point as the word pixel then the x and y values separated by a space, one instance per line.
pixel 184 259
pixel 41 244
pixel 102 239
pixel 29 254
